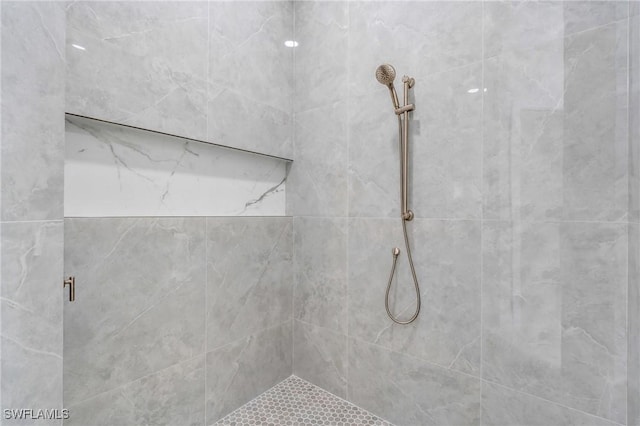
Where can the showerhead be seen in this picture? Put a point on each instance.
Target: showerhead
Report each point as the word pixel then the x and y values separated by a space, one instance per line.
pixel 385 74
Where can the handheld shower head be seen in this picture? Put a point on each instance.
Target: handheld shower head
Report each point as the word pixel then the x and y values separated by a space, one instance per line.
pixel 385 74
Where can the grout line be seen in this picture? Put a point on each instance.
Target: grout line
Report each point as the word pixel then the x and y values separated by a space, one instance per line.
pixel 482 189
pixel 206 311
pixel 454 219
pixel 629 206
pixel 294 140
pixel 294 279
pixel 10 222
pixel 348 198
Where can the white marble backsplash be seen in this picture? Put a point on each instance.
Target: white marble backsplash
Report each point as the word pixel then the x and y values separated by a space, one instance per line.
pixel 113 171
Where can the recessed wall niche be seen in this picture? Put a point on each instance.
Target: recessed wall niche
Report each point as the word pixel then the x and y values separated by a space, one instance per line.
pixel 113 170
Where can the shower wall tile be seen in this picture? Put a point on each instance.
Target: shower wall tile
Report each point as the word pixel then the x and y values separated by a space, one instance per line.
pixel 241 370
pixel 317 181
pixel 31 358
pixel 373 170
pixel 555 130
pixel 634 117
pixel 523 134
pixel 249 276
pixel 321 61
pixel 407 391
pixel 133 65
pixel 173 396
pixel 447 262
pixel 320 357
pixel 633 309
pixel 115 171
pixel 596 144
pixel 32 106
pixel 251 75
pixel 521 25
pixel 140 300
pixel 320 295
pixel 447 145
pixel 418 38
pixel 502 406
pixel 554 312
pixel 633 366
pixel 586 15
pixel 241 122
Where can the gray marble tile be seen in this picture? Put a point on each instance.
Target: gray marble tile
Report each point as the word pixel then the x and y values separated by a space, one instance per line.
pixel 447 260
pixel 595 154
pixel 555 130
pixel 321 61
pixel 31 359
pixel 633 310
pixel 373 169
pixel 407 391
pixel 247 54
pixel 173 396
pixel 523 134
pixel 133 66
pixel 317 182
pixel 31 379
pixel 249 276
pixel 418 38
pixel 242 370
pixel 505 407
pixel 446 145
pixel 320 356
pixel 239 121
pixel 634 117
pixel 521 25
pixel 251 75
pixel 586 15
pixel 320 295
pixel 554 312
pixel 140 299
pixel 32 130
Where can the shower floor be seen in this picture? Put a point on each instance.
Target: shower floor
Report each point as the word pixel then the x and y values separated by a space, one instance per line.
pixel 297 402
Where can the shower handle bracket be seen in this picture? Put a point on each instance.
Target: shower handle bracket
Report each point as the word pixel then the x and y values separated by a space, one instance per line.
pixel 71 282
pixel 406 108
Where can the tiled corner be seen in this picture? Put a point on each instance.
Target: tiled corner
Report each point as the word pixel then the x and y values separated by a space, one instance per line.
pixel 320 356
pixel 239 371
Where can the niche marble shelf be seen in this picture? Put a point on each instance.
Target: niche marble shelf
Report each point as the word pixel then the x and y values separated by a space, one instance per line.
pixel 114 170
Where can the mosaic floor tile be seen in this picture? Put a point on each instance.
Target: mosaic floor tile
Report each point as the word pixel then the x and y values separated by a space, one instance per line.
pixel 297 402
